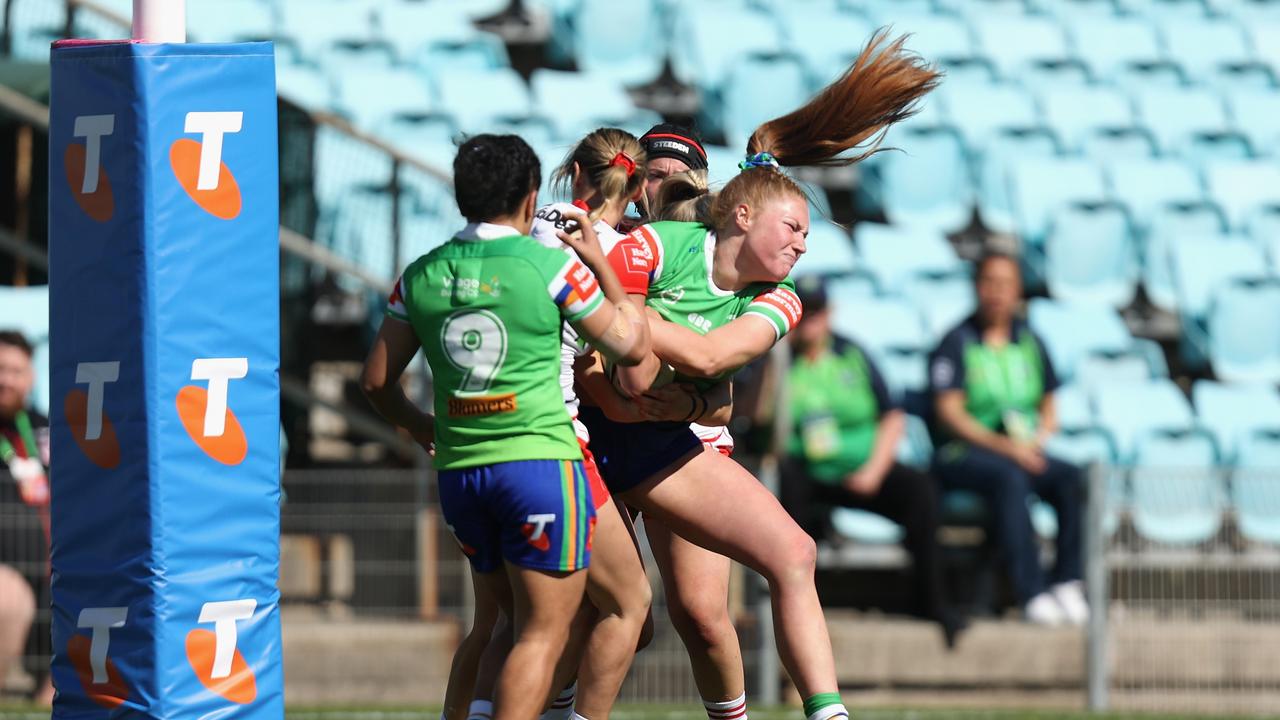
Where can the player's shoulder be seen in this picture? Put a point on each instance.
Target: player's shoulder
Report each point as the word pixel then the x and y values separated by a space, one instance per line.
pixel 549 220
pixel 671 232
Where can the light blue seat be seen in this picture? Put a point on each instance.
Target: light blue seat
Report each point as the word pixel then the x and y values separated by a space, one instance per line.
pixel 313 26
pixel 1101 369
pixel 1168 223
pixel 1256 114
pixel 722 164
pixel 897 253
pixel 828 249
pixel 1247 11
pixel 420 233
pixel 1042 186
pixel 211 21
pixel 481 51
pixel 995 200
pixel 412 27
pixel 745 106
pixel 1017 44
pixel 1201 265
pixel 304 85
pixel 850 289
pixel 1184 120
pixel 916 449
pixel 363 233
pixel 1078 113
pixel 824 37
pixel 892 332
pixel 1130 411
pixel 866 527
pixel 1191 9
pixel 26 309
pixel 1232 412
pixel 34 24
pixel 478 99
pixel 1085 446
pixel 1244 331
pixel 1213 51
pixel 1145 186
pixel 371 99
pixel 1067 9
pixel 944 299
pixel 631 57
pixel 1090 256
pixel 939 38
pixel 1241 188
pixel 1255 487
pixel 343 165
pixel 980 110
pixel 1265 37
pixel 1072 404
pixel 711 40
pixel 1177 494
pixel 577 103
pixel 429 139
pixel 928 183
pixel 1071 331
pixel 1117 48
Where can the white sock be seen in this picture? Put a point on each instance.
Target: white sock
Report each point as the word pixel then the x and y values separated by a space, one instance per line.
pixel 735 709
pixel 480 710
pixel 562 706
pixel 829 712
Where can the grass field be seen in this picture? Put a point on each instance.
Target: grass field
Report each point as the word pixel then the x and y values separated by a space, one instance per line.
pixel 668 712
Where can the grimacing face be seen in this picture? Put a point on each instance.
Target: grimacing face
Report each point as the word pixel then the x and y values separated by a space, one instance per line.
pixel 776 236
pixel 659 170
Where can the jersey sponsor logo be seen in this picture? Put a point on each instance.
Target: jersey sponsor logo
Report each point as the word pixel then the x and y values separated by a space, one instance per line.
pixel 699 322
pixel 86 414
pixel 582 281
pixel 943 372
pixel 554 216
pixel 213 656
pixel 785 302
pixel 206 415
pixel 86 177
pixel 198 166
pixel 480 406
pixel 535 530
pixel 470 288
pixel 671 296
pixel 669 145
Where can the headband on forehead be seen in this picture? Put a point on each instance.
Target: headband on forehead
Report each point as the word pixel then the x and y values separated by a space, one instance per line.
pixel 670 141
pixel 763 159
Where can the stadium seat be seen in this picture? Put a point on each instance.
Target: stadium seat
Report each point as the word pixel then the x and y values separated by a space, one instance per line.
pixel 1076 114
pixel 944 299
pixel 1122 50
pixel 895 254
pixel 995 201
pixel 211 21
pixel 1214 51
pixel 413 27
pixel 429 139
pixel 363 233
pixel 850 289
pixel 1131 410
pixel 1071 331
pixel 26 309
pixel 866 527
pixel 980 110
pixel 313 26
pixel 1190 9
pixel 1019 45
pixel 1100 369
pixel 938 38
pixel 1265 37
pixel 892 331
pixel 917 448
pixel 1241 188
pixel 828 249
pixel 480 99
pixel 1073 407
pixel 343 165
pixel 1042 186
pixel 1090 255
pixel 745 106
pixel 630 57
pixel 1183 120
pixel 1244 331
pixel 710 42
pixel 1255 488
pixel 1232 412
pixel 928 183
pixel 1203 264
pixel 1177 494
pixel 304 86
pixel 1256 114
pixel 371 99
pixel 1202 219
pixel 1085 447
pixel 825 38
pixel 1145 186
pixel 577 103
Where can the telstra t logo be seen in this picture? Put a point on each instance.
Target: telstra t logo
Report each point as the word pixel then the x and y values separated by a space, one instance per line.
pixel 87 178
pixel 205 414
pixel 89 424
pixel 198 164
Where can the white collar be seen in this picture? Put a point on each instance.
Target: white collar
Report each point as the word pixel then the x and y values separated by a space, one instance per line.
pixel 485 231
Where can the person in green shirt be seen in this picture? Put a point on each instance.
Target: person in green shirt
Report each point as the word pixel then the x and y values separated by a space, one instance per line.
pixel 992 386
pixel 486 310
pixel 846 431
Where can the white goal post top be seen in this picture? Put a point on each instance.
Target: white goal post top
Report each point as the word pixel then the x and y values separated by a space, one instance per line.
pixel 160 21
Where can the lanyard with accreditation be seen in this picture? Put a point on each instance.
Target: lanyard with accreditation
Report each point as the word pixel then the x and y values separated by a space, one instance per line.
pixel 27 471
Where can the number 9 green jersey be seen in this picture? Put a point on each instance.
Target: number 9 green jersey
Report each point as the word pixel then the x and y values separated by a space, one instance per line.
pixel 487 307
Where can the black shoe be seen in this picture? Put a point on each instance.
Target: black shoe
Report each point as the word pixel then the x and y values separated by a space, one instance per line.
pixel 952 623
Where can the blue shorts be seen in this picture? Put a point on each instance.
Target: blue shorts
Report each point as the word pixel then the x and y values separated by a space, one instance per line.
pixel 630 453
pixel 536 514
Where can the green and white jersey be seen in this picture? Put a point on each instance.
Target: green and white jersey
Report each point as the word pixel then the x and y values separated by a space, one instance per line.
pixel 670 263
pixel 487 307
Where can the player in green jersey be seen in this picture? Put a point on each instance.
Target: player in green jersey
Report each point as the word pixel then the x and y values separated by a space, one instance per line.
pixel 486 309
pixel 719 288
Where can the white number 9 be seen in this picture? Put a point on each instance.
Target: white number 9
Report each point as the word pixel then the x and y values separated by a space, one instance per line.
pixel 475 341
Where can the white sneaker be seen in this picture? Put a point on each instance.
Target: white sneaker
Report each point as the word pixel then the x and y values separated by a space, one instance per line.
pixel 1044 610
pixel 1070 597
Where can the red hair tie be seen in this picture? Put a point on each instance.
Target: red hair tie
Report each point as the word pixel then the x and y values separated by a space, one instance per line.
pixel 625 161
pixel 581 206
